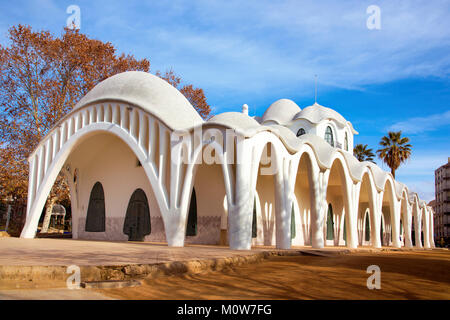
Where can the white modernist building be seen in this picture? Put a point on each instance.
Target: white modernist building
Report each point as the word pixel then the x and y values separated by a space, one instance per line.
pixel 142 165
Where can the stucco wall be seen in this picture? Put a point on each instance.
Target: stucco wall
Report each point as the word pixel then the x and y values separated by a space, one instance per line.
pixel 105 158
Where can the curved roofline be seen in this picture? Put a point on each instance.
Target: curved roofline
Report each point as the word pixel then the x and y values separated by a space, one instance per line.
pixel 149 92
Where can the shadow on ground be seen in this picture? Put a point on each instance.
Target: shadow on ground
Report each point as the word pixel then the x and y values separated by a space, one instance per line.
pixel 404 275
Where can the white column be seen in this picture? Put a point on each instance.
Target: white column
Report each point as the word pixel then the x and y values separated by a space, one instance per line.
pixel 92 116
pixel 417 227
pixel 163 156
pixel 133 124
pixel 56 138
pixel 63 135
pixel 31 183
pixel 375 228
pixel 240 213
pixel 70 129
pixel 426 228
pixel 351 222
pixel 431 232
pixel 407 225
pixel 124 122
pixel 98 109
pixel 77 122
pixel 40 164
pixel 142 129
pixel 282 213
pixel 48 153
pixel 319 207
pixel 151 138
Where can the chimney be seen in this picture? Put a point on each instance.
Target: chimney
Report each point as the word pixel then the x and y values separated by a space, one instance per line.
pixel 245 109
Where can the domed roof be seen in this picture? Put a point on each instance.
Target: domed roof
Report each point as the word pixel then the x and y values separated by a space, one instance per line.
pixel 281 111
pixel 316 113
pixel 236 120
pixel 149 92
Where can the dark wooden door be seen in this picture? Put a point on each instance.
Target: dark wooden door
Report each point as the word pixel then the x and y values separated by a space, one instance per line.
pixel 191 227
pixel 95 219
pixel 137 219
pixel 367 229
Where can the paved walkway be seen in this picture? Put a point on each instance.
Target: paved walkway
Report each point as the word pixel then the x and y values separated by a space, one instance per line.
pixel 64 252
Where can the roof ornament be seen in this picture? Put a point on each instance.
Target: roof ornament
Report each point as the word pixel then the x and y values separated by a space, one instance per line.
pixel 245 109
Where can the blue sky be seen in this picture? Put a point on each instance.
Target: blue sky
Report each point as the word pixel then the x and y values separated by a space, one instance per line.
pixel 256 52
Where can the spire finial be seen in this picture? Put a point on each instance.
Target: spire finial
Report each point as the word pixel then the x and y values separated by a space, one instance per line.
pixel 245 109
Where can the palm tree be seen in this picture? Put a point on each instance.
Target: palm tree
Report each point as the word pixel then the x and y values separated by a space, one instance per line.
pixel 395 150
pixel 363 153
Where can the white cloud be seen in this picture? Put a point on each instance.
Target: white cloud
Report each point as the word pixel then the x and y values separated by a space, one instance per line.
pixel 422 124
pixel 418 172
pixel 268 45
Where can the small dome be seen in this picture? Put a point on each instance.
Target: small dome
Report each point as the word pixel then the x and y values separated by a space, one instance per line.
pixel 237 120
pixel 281 111
pixel 317 113
pixel 149 92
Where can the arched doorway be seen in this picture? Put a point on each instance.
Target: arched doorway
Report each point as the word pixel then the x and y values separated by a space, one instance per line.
pixel 95 219
pixel 304 215
pixel 366 212
pixel 330 223
pixel 137 219
pixel 208 211
pixel 337 196
pixel 265 222
pixel 191 227
pixel 254 221
pixel 367 227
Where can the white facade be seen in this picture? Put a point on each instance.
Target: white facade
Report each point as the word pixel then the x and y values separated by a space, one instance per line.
pixel 134 131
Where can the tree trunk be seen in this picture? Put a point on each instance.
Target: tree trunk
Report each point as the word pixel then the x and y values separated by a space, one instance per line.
pixel 8 217
pixel 393 173
pixel 48 215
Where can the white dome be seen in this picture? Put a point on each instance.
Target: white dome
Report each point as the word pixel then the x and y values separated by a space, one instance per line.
pixel 281 111
pixel 317 113
pixel 149 92
pixel 237 120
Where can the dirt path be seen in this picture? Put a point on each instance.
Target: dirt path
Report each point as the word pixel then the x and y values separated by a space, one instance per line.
pixel 404 275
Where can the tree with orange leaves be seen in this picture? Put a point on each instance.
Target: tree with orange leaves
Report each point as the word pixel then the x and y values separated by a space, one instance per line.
pixel 42 77
pixel 195 96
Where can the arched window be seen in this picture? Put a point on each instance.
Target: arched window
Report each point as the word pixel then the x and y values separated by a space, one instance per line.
pixel 330 223
pixel 329 136
pixel 137 219
pixel 95 218
pixel 346 142
pixel 367 228
pixel 300 132
pixel 191 228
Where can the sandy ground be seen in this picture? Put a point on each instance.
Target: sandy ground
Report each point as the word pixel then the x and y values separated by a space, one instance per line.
pixel 404 275
pixel 421 274
pixel 52 294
